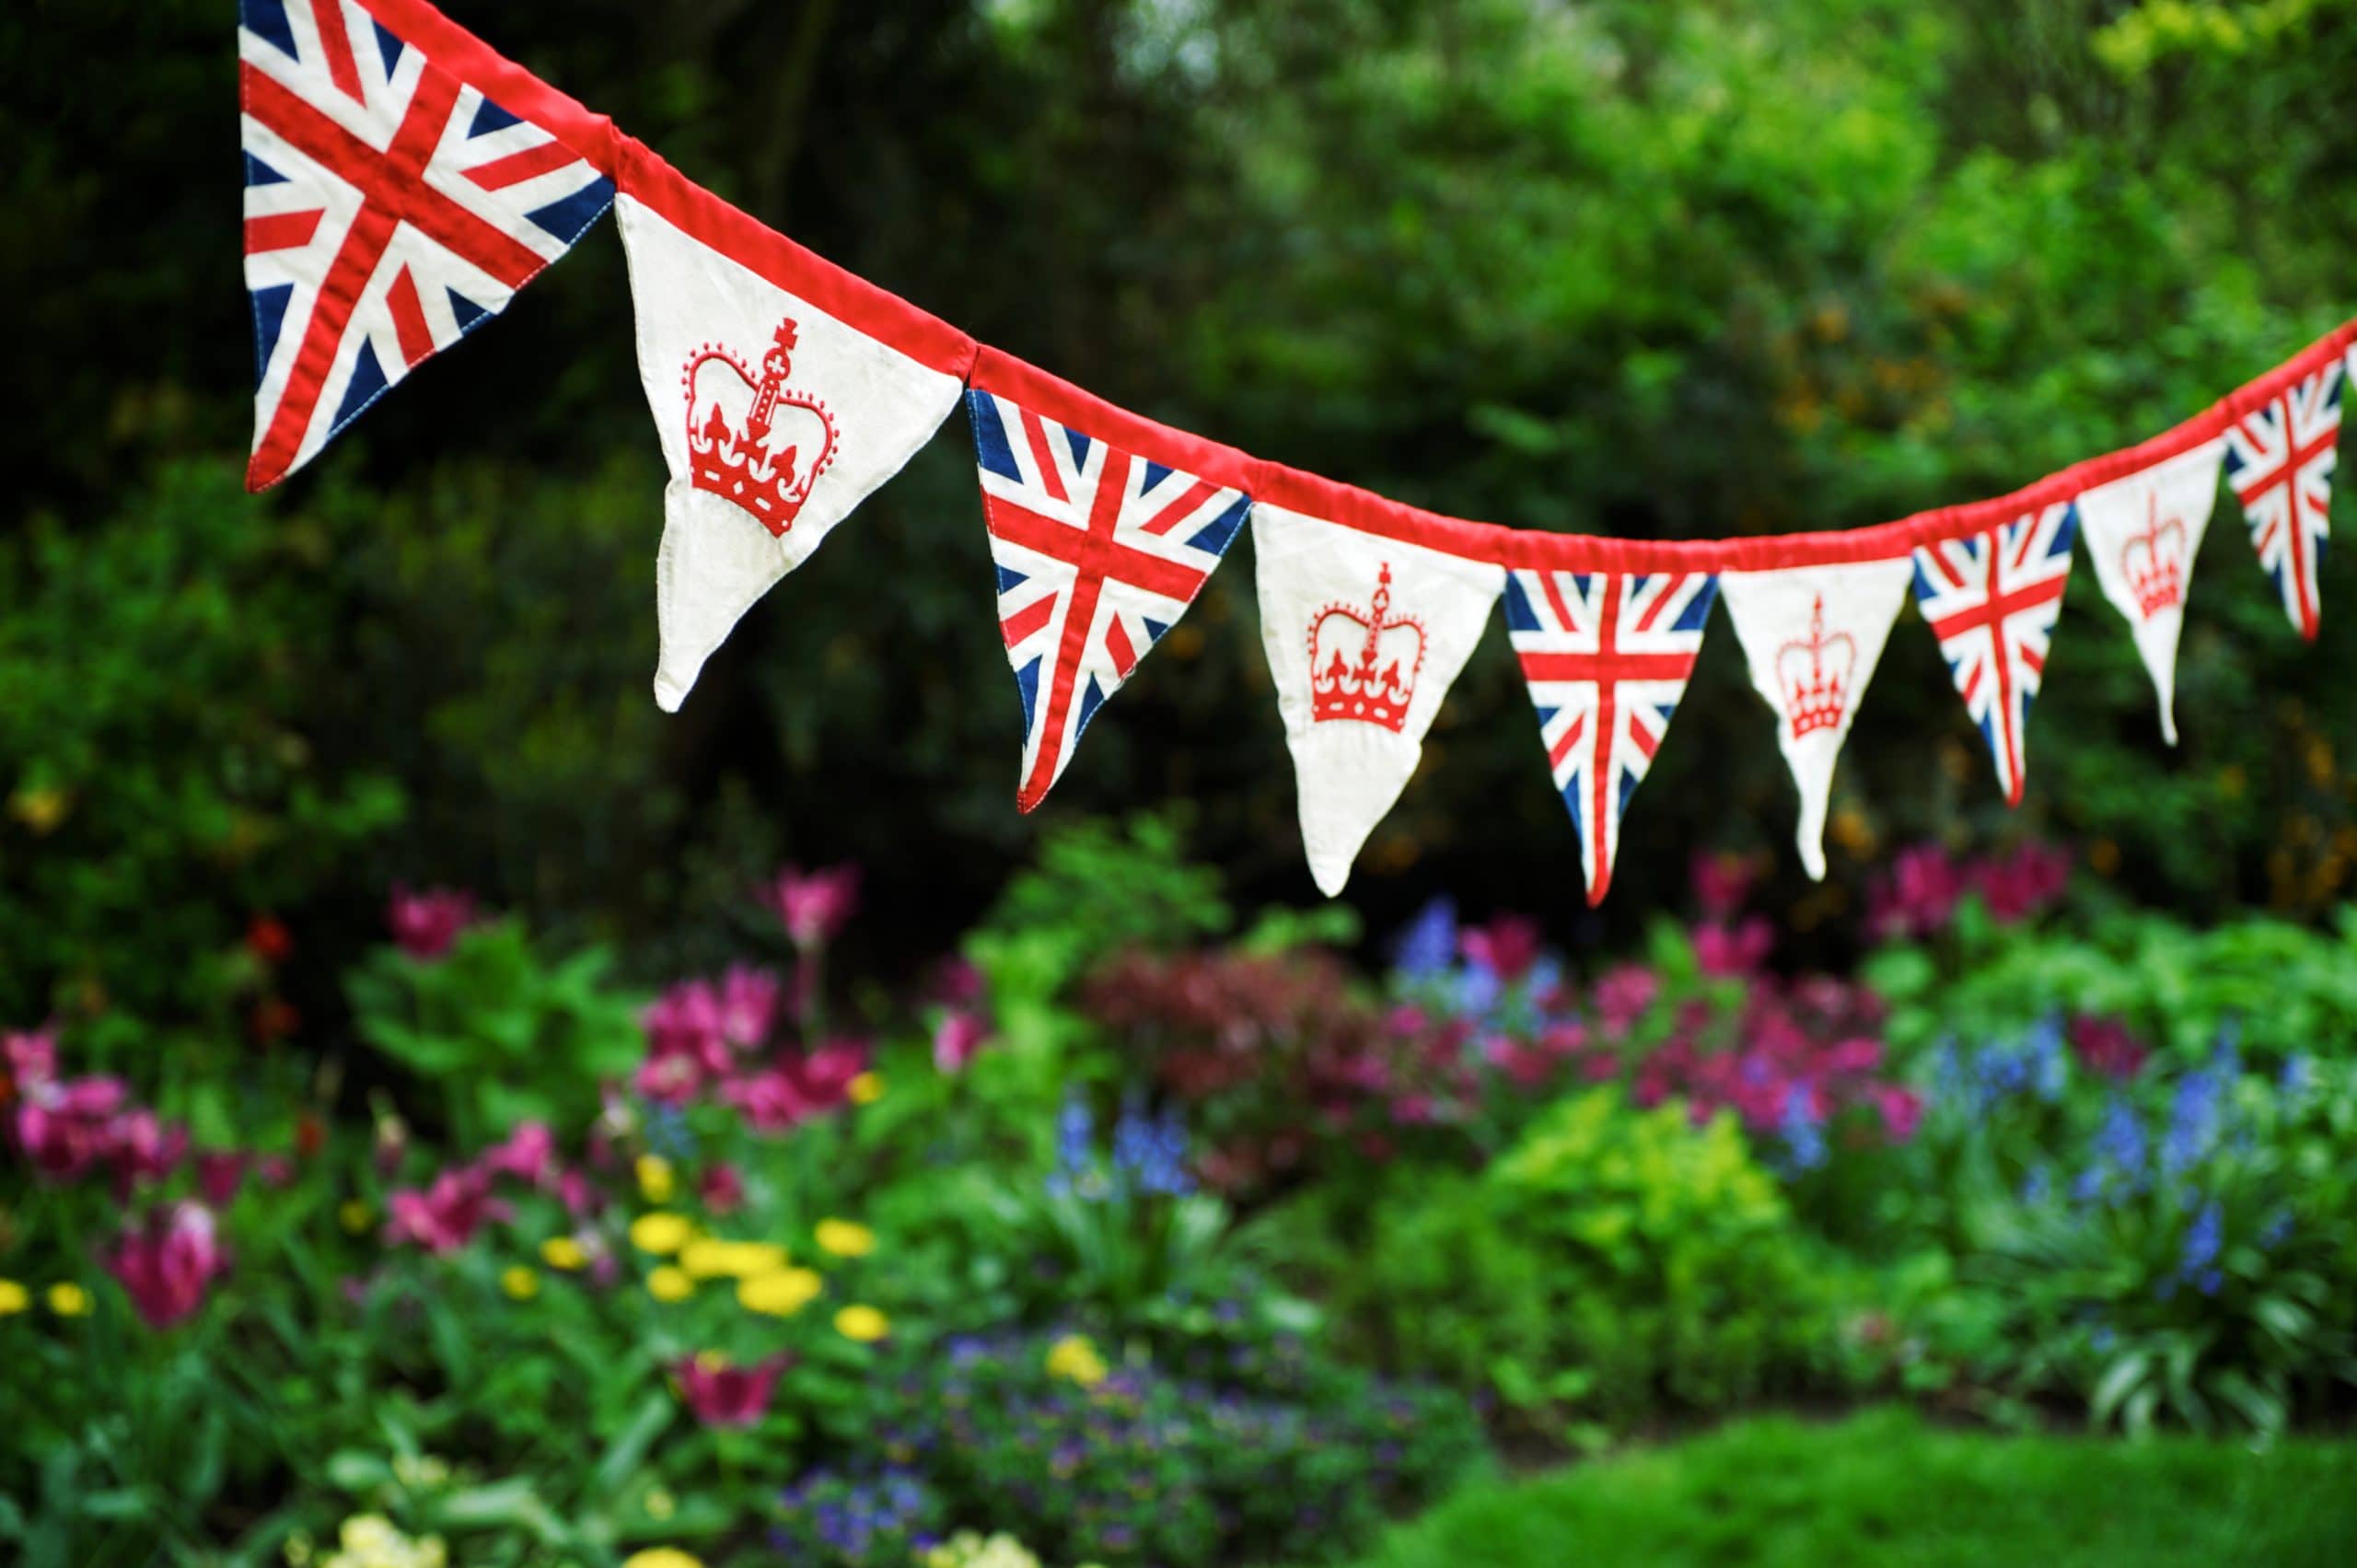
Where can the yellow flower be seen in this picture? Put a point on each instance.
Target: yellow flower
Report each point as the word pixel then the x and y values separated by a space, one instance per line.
pixel 661 1557
pixel 68 1299
pixel 564 1252
pixel 353 1215
pixel 781 1294
pixel 1075 1357
pixel 709 1258
pixel 40 809
pixel 866 1090
pixel 668 1283
pixel 660 1505
pixel 660 1233
pixel 13 1298
pixel 845 1239
pixel 655 1179
pixel 520 1282
pixel 862 1323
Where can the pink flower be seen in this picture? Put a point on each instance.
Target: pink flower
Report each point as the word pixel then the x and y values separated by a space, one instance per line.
pixel 167 1261
pixel 959 1034
pixel 957 983
pixel 687 1042
pixel 2106 1046
pixel 219 1174
pixel 797 1088
pixel 27 1061
pixel 1507 947
pixel 142 1146
pixel 65 1125
pixel 1918 895
pixel 1739 950
pixel 723 1394
pixel 1901 1110
pixel 2025 881
pixel 1527 1066
pixel 722 1190
pixel 444 1216
pixel 1858 1054
pixel 529 1155
pixel 576 1192
pixel 814 906
pixel 747 1006
pixel 1623 994
pixel 424 925
pixel 1721 881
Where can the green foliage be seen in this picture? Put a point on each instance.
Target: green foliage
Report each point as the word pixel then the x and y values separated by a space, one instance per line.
pixel 1612 1260
pixel 505 1035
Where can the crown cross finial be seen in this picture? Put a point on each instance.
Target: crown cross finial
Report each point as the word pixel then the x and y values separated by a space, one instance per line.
pixel 2152 562
pixel 1815 675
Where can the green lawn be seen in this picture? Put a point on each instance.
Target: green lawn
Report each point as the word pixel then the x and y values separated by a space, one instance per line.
pixel 1885 1488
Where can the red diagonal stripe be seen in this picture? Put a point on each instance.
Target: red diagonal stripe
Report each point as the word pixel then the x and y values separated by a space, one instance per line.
pixel 282 231
pixel 1117 642
pixel 390 178
pixel 517 168
pixel 1028 619
pixel 343 69
pixel 1037 435
pixel 1092 552
pixel 1169 517
pixel 1088 586
pixel 363 244
pixel 409 319
pixel 1660 603
pixel 1570 737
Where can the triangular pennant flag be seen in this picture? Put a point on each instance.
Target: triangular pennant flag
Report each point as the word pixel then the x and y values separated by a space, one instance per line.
pixel 2143 533
pixel 1100 552
pixel 388 209
pixel 2280 459
pixel 1364 635
pixel 777 417
pixel 1991 599
pixel 1607 656
pixel 1811 636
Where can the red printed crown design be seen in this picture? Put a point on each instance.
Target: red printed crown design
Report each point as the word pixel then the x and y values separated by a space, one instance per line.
pixel 2153 561
pixel 752 440
pixel 1363 664
pixel 1813 675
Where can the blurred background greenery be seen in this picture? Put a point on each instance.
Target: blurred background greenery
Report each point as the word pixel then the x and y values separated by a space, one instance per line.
pixel 1647 269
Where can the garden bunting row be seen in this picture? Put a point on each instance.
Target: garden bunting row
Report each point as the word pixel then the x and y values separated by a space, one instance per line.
pixel 404 181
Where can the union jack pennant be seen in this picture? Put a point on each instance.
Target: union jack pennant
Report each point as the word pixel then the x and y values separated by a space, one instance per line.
pixel 2279 460
pixel 390 209
pixel 1991 599
pixel 1607 656
pixel 1098 554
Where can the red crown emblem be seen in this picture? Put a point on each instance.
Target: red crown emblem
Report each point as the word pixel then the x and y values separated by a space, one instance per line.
pixel 1815 675
pixel 752 439
pixel 1363 665
pixel 2153 561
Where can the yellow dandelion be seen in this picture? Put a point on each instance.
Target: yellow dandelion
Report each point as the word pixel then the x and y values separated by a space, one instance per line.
pixel 662 1557
pixel 866 1090
pixel 13 1298
pixel 1075 1357
pixel 656 1180
pixel 354 1217
pixel 565 1252
pixel 709 1258
pixel 660 1233
pixel 862 1323
pixel 781 1294
pixel 68 1299
pixel 668 1283
pixel 845 1239
pixel 520 1282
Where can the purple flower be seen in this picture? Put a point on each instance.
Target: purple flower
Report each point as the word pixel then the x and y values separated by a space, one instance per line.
pixel 168 1263
pixel 1429 945
pixel 813 906
pixel 425 923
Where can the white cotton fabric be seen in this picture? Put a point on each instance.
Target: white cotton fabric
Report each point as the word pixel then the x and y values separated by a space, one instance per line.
pixel 716 558
pixel 2143 532
pixel 1317 583
pixel 1811 636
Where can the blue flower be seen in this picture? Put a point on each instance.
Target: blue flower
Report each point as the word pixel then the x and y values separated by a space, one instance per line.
pixel 1804 1135
pixel 2045 1064
pixel 2298 1072
pixel 2278 1231
pixel 1428 946
pixel 2119 1154
pixel 2194 1118
pixel 2202 1241
pixel 2038 1186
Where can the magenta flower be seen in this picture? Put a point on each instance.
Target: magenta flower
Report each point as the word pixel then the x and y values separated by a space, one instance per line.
pixel 795 1088
pixel 2106 1046
pixel 1623 994
pixel 219 1174
pixel 723 1394
pixel 722 1190
pixel 1901 1110
pixel 1733 949
pixel 529 1155
pixel 141 1147
pixel 2025 881
pixel 958 983
pixel 959 1034
pixel 687 1042
pixel 425 923
pixel 1507 947
pixel 747 1004
pixel 28 1060
pixel 66 1125
pixel 444 1217
pixel 167 1262
pixel 575 1191
pixel 1918 896
pixel 814 906
pixel 1721 881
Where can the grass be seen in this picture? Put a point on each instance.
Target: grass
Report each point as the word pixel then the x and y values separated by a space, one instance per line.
pixel 1883 1488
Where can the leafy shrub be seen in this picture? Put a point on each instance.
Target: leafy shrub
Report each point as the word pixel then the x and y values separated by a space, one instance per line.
pixel 1613 1259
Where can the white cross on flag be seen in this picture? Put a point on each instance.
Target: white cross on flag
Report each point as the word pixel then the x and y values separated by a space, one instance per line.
pixel 1607 656
pixel 1099 550
pixel 390 209
pixel 1811 636
pixel 784 390
pixel 1991 599
pixel 2280 459
pixel 1364 634
pixel 2143 531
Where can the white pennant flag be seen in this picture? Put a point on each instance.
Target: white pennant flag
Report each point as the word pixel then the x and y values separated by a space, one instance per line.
pixel 2143 532
pixel 1364 635
pixel 777 417
pixel 1811 636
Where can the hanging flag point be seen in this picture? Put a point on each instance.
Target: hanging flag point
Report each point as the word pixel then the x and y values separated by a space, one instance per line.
pixel 1991 599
